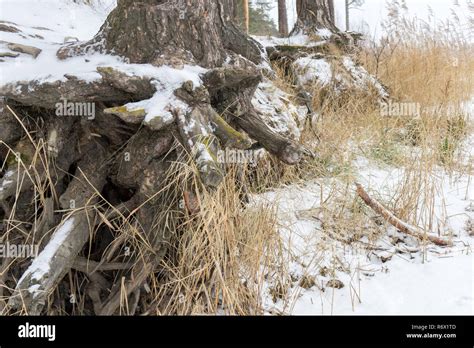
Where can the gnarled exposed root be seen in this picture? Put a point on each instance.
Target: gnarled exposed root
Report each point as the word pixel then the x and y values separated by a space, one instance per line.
pixel 132 151
pixel 49 267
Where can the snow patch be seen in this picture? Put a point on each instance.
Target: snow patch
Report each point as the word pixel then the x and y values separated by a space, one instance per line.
pixel 295 40
pixel 362 78
pixel 6 182
pixel 385 278
pixel 41 264
pixel 48 35
pixel 276 109
pixel 166 81
pixel 314 68
pixel 324 33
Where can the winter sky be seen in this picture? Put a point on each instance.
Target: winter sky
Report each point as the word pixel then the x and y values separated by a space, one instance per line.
pixel 368 19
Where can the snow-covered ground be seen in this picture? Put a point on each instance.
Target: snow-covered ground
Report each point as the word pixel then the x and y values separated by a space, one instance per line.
pixel 63 16
pixel 48 24
pixel 384 272
pixel 441 286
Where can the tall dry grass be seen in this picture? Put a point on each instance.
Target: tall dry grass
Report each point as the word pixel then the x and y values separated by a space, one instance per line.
pixel 431 66
pixel 221 254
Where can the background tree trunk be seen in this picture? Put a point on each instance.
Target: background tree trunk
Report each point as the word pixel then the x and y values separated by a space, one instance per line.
pixel 332 11
pixel 245 4
pixel 347 9
pixel 282 18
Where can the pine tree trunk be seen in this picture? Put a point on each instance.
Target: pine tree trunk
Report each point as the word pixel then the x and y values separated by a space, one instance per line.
pixel 153 31
pixel 347 7
pixel 245 4
pixel 282 18
pixel 332 11
pixel 314 15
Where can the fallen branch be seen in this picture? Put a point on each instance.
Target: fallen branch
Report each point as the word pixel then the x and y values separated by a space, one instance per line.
pixel 396 222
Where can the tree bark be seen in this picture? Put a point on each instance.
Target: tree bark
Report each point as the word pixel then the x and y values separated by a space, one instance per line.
pixel 282 18
pixel 245 4
pixel 332 11
pixel 314 15
pixel 155 31
pixel 235 10
pixel 347 10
